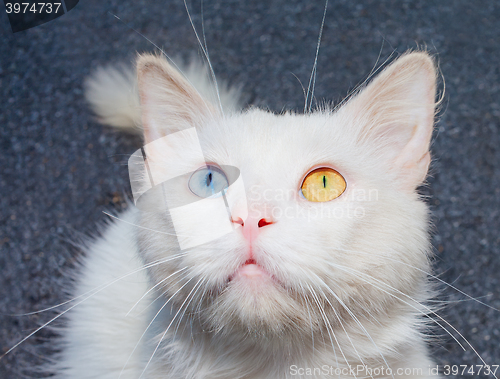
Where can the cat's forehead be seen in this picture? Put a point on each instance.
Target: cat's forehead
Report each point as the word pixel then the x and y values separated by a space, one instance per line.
pixel 261 141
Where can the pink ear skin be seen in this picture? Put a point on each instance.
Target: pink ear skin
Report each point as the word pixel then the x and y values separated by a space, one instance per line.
pixel 169 103
pixel 411 165
pixel 395 112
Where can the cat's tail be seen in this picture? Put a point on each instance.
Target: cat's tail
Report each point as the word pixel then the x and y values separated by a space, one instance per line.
pixel 113 96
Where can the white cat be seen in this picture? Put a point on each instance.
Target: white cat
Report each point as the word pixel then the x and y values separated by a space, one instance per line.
pixel 263 245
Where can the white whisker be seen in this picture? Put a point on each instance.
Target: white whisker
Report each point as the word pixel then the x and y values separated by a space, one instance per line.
pixel 312 79
pixel 184 312
pixel 168 327
pixel 149 325
pixel 90 294
pixel 207 57
pixel 329 327
pixel 424 272
pixel 354 318
pixel 152 288
pixel 310 317
pixel 422 305
pixel 164 54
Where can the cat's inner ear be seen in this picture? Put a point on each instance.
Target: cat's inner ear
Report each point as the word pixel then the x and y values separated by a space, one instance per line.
pixel 169 103
pixel 394 115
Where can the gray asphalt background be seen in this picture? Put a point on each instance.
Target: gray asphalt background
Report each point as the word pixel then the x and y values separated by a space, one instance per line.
pixel 60 169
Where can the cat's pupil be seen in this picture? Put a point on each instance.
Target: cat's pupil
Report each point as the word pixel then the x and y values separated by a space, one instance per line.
pixel 324 181
pixel 209 179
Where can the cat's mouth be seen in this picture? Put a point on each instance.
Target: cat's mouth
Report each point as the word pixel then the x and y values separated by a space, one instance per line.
pixel 252 271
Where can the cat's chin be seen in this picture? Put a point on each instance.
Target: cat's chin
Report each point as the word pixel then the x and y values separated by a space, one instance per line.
pixel 255 284
pixel 255 303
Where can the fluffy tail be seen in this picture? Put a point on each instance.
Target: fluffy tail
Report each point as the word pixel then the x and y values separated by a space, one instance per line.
pixel 113 96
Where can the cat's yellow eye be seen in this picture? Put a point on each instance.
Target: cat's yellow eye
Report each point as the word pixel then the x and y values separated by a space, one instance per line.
pixel 323 184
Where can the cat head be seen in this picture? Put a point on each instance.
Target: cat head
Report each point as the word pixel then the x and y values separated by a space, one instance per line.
pixel 272 224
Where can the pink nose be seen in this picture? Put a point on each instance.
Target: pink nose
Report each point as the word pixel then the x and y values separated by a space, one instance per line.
pixel 251 226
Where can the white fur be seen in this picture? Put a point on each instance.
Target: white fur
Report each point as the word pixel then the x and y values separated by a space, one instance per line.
pixel 370 262
pixel 112 93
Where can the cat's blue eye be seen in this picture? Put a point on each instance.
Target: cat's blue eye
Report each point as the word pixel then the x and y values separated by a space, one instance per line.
pixel 208 181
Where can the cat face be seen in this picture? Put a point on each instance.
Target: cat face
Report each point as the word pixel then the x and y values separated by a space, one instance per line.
pixel 292 262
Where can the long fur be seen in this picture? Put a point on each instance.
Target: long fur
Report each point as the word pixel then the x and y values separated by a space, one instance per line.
pixel 345 284
pixel 113 96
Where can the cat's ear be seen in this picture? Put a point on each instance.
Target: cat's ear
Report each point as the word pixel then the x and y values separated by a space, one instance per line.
pixel 394 115
pixel 169 103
